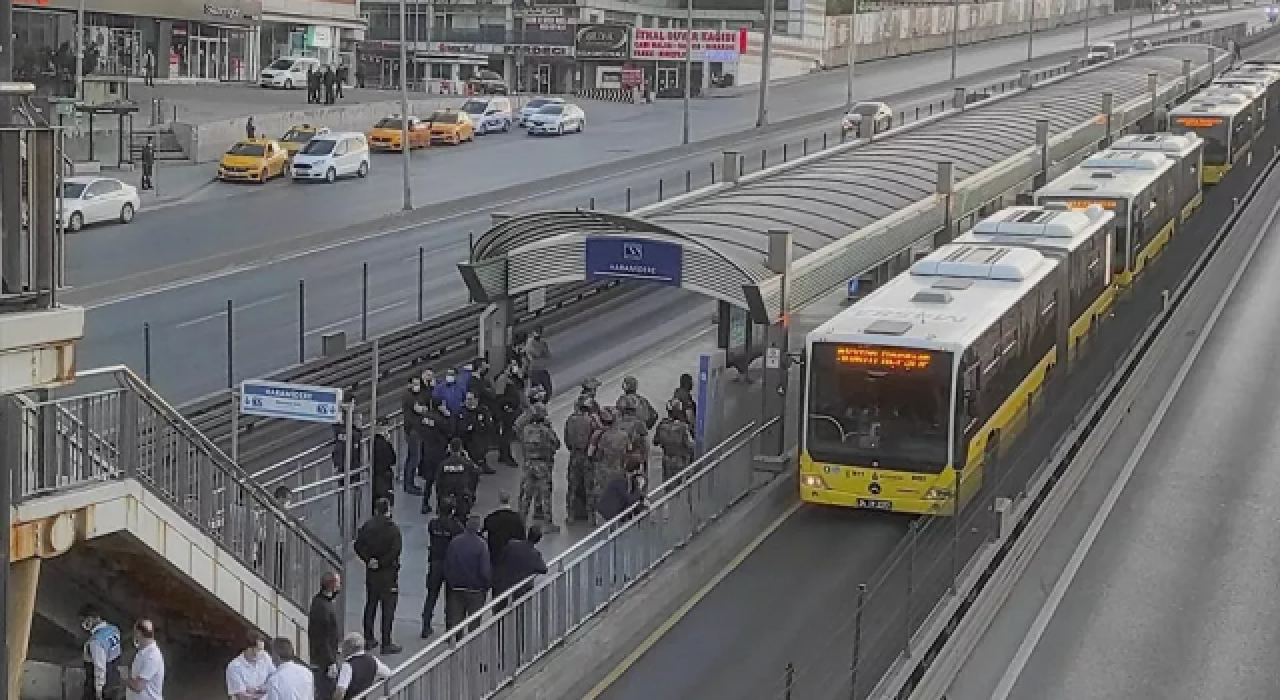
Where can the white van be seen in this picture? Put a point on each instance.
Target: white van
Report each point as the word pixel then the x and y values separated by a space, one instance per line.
pixel 288 72
pixel 331 156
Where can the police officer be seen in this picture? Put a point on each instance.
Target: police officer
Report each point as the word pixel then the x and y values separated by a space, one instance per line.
pixel 474 425
pixel 675 439
pixel 101 656
pixel 539 443
pixel 458 479
pixel 436 430
pixel 440 530
pixel 608 454
pixel 379 544
pixel 507 394
pixel 578 429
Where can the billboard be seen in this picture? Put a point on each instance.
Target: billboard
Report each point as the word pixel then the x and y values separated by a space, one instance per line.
pixel 722 45
pixel 603 41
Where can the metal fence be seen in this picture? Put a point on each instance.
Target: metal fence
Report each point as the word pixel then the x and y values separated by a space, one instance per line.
pixel 487 650
pixel 120 429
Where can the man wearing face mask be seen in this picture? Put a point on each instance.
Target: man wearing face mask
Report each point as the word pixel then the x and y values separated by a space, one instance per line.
pixel 474 427
pixel 101 655
pixel 412 407
pixel 453 391
pixel 508 390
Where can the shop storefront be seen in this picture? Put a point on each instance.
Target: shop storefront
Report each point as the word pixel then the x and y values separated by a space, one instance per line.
pixel 602 51
pixel 661 54
pixel 544 69
pixel 189 38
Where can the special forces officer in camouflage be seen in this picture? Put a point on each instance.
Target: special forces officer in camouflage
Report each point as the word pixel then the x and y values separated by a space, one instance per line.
pixel 608 454
pixel 629 419
pixel 630 387
pixel 675 439
pixel 539 443
pixel 537 397
pixel 578 430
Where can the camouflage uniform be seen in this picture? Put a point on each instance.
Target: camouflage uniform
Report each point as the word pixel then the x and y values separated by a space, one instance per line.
pixel 629 419
pixel 539 443
pixel 675 440
pixel 578 429
pixel 608 454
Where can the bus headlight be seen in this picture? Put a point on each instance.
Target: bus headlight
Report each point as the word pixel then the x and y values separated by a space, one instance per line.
pixel 813 481
pixel 937 494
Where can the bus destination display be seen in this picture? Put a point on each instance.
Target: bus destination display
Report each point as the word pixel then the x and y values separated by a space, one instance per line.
pixel 1199 122
pixel 1082 204
pixel 904 359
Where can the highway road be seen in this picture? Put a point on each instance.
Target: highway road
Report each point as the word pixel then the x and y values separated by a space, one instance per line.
pixel 120 271
pixel 1175 598
pixel 791 598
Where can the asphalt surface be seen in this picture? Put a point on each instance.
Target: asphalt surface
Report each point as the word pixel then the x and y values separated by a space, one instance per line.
pixel 1175 599
pixel 187 320
pixel 793 599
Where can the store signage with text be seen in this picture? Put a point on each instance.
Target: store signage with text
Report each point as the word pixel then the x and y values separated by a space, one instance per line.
pixel 603 41
pixel 539 50
pixel 669 44
pixel 223 12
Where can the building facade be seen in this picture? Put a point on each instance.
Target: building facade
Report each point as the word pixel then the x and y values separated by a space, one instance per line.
pixel 198 40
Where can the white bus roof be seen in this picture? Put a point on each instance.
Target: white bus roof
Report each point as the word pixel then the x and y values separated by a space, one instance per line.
pixel 1243 93
pixel 945 302
pixel 1181 145
pixel 1257 77
pixel 1209 107
pixel 1110 174
pixel 1052 228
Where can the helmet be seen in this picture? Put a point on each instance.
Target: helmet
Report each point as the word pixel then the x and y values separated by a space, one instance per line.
pixel 589 385
pixel 538 393
pixel 628 403
pixel 629 385
pixel 583 402
pixel 538 412
pixel 607 415
pixel 674 406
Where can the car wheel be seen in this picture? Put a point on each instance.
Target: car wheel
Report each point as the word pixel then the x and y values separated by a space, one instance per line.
pixel 364 169
pixel 582 125
pixel 288 84
pixel 76 222
pixel 561 128
pixel 126 213
pixel 330 176
pixel 506 126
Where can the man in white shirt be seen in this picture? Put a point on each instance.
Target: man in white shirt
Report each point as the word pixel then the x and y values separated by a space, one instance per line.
pixel 292 679
pixel 360 670
pixel 146 674
pixel 247 674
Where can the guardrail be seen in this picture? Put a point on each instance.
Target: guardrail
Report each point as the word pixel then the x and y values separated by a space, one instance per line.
pixel 121 429
pixel 516 629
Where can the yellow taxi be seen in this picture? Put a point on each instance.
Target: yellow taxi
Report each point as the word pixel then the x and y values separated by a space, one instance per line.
pixel 451 126
pixel 385 135
pixel 254 160
pixel 298 136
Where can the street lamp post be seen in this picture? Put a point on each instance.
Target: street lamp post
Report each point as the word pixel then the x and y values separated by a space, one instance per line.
pixel 688 66
pixel 1088 19
pixel 853 55
pixel 404 109
pixel 1133 6
pixel 1031 30
pixel 955 34
pixel 80 51
pixel 766 57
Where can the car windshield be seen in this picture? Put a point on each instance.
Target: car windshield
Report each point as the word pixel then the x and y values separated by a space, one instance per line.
pixel 248 149
pixel 445 118
pixel 538 102
pixel 297 136
pixel 865 110
pixel 872 405
pixel 388 123
pixel 318 147
pixel 551 109
pixel 475 107
pixel 281 64
pixel 73 190
pixel 1100 48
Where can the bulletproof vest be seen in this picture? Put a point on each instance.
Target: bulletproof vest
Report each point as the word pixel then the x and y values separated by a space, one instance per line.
pixel 578 430
pixel 364 671
pixel 671 436
pixel 536 442
pixel 615 441
pixel 453 476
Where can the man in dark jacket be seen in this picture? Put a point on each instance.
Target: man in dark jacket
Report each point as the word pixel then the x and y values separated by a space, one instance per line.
pixel 378 544
pixel 624 492
pixel 468 573
pixel 339 441
pixel 520 559
pixel 509 392
pixel 436 431
pixel 384 465
pixel 412 408
pixel 324 633
pixel 501 526
pixel 474 426
pixel 440 531
pixel 458 479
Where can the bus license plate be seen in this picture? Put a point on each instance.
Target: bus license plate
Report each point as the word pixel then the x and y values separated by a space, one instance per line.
pixel 875 504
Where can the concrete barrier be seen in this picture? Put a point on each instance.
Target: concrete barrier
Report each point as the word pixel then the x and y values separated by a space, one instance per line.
pixel 207 142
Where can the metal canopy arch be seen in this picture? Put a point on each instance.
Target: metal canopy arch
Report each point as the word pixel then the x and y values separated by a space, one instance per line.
pixel 853 207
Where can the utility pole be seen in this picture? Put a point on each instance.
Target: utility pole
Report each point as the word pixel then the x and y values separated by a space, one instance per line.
pixel 688 65
pixel 6 60
pixel 1133 7
pixel 955 34
pixel 1088 18
pixel 853 55
pixel 404 109
pixel 762 112
pixel 1031 30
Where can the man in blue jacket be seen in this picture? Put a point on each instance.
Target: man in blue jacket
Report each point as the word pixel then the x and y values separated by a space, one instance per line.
pixel 468 574
pixel 452 392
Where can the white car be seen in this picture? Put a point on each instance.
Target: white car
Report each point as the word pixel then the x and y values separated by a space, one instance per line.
pixel 93 200
pixel 489 114
pixel 1101 51
pixel 533 106
pixel 288 72
pixel 558 119
pixel 878 112
pixel 330 156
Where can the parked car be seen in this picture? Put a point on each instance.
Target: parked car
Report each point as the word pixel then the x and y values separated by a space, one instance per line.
pixel 558 119
pixel 331 156
pixel 533 105
pixel 1101 51
pixel 288 72
pixel 92 200
pixel 298 136
pixel 489 114
pixel 385 135
pixel 254 160
pixel 487 82
pixel 878 112
pixel 451 126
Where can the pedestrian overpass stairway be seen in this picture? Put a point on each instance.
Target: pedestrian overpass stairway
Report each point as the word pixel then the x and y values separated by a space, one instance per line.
pixel 123 502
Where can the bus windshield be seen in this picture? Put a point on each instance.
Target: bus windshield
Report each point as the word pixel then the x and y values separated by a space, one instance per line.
pixel 879 407
pixel 1214 132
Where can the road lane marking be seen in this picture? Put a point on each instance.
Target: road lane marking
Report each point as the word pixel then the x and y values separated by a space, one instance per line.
pixel 652 640
pixel 223 312
pixel 352 319
pixel 1059 591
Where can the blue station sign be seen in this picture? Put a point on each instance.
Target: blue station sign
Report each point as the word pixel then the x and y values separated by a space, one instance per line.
pixel 313 404
pixel 619 258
